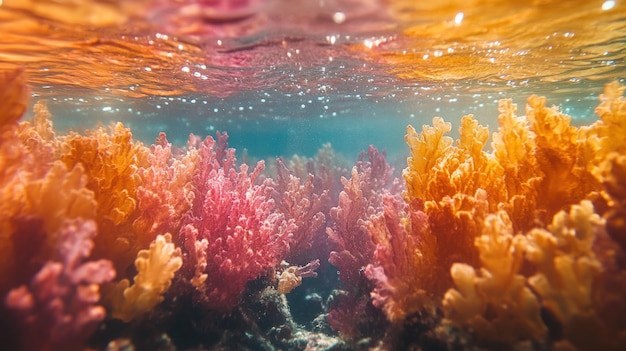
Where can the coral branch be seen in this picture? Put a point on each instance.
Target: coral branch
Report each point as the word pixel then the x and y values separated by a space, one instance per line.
pixel 236 217
pixel 156 268
pixel 399 274
pixel 495 301
pixel 292 276
pixel 59 306
pixel 299 203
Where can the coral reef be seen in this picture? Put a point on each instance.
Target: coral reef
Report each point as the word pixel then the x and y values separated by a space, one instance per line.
pixel 519 245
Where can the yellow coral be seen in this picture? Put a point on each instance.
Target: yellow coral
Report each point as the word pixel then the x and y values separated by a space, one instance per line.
pixel 62 194
pixel 561 158
pixel 567 268
pixel 612 112
pixel 156 268
pixel 495 302
pixel 427 150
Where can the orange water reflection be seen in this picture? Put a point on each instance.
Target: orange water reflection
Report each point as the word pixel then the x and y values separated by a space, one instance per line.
pixel 506 40
pixel 152 48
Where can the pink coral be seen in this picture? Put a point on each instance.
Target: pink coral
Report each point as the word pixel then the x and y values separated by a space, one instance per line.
pixel 298 201
pixel 353 249
pixel 165 192
pixel 397 276
pixel 350 240
pixel 361 197
pixel 236 217
pixel 59 306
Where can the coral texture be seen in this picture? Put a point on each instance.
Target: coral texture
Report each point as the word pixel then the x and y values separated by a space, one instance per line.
pixel 351 243
pixel 58 310
pixel 398 275
pixel 299 203
pixel 292 276
pixel 156 268
pixel 495 300
pixel 245 237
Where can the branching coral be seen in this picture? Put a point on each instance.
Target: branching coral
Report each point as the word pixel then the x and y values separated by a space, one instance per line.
pixel 111 160
pixel 350 241
pixel 540 165
pixel 398 276
pixel 298 202
pixel 455 186
pixel 514 148
pixel 352 247
pixel 495 301
pixel 43 205
pixel 165 192
pixel 155 270
pixel 515 227
pixel 612 112
pixel 58 309
pixel 567 268
pixel 562 159
pixel 236 217
pixel 612 173
pixel 428 150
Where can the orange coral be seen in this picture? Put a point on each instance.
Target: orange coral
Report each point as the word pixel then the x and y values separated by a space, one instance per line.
pixel 456 186
pixel 561 156
pixel 61 194
pixel 13 100
pixel 428 150
pixel 155 270
pixel 111 160
pixel 495 301
pixel 13 96
pixel 612 173
pixel 612 112
pixel 514 147
pixel 540 165
pixel 569 273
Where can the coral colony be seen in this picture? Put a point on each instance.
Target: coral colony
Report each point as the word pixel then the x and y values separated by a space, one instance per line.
pixel 106 243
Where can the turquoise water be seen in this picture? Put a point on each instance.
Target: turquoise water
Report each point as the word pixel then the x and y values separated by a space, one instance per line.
pixel 270 123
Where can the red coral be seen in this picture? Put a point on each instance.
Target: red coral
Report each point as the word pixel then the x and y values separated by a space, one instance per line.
pixel 59 306
pixel 235 215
